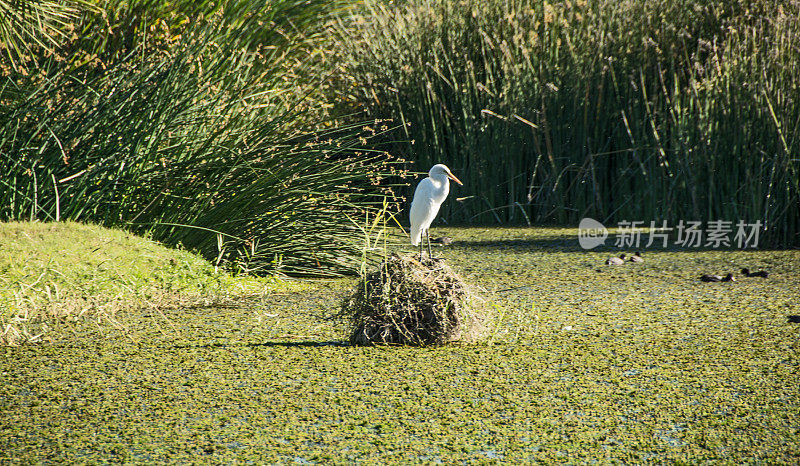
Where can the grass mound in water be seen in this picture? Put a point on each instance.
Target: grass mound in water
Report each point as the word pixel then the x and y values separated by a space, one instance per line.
pixel 409 302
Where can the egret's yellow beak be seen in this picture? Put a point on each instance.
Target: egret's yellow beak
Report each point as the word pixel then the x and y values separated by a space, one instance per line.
pixel 453 177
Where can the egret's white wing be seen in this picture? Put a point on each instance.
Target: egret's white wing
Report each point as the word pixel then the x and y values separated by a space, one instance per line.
pixel 424 207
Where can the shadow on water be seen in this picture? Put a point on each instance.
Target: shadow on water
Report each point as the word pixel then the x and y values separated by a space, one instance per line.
pixel 560 244
pixel 300 344
pixel 556 243
pixel 266 344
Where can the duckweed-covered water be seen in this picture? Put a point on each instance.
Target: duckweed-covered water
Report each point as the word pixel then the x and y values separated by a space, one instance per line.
pixel 589 363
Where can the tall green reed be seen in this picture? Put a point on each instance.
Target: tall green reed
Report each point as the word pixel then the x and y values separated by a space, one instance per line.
pixel 616 110
pixel 214 137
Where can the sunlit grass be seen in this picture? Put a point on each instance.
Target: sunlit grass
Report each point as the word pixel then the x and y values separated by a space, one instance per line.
pixel 55 272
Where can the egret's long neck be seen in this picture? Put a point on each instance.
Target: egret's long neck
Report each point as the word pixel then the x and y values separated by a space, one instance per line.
pixel 442 179
pixel 442 182
pixel 442 185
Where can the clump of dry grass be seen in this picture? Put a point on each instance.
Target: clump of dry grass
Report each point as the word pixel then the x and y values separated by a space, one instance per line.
pixel 412 302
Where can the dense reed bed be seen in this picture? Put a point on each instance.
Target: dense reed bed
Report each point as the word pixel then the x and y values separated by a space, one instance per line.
pixel 556 110
pixel 197 125
pixel 219 125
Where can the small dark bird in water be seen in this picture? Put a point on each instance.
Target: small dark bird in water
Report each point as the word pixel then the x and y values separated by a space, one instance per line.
pixel 616 260
pixel 794 319
pixel 760 273
pixel 711 278
pixel 729 278
pixel 637 257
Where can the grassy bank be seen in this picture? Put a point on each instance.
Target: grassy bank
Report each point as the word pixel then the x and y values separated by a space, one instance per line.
pixel 52 273
pixel 555 110
pixel 639 363
pixel 201 124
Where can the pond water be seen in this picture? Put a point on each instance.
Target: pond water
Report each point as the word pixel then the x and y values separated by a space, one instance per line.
pixel 638 362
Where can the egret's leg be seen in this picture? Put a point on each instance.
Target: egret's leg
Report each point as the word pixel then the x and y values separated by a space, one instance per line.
pixel 421 240
pixel 427 235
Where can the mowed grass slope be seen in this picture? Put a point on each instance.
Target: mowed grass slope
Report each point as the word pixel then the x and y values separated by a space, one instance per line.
pixel 53 272
pixel 636 363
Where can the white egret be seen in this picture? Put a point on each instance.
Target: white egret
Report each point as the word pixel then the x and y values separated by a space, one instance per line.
pixel 428 197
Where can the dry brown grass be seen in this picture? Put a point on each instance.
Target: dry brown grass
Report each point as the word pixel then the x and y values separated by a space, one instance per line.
pixel 412 302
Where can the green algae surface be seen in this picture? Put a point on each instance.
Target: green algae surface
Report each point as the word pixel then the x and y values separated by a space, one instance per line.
pixel 586 363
